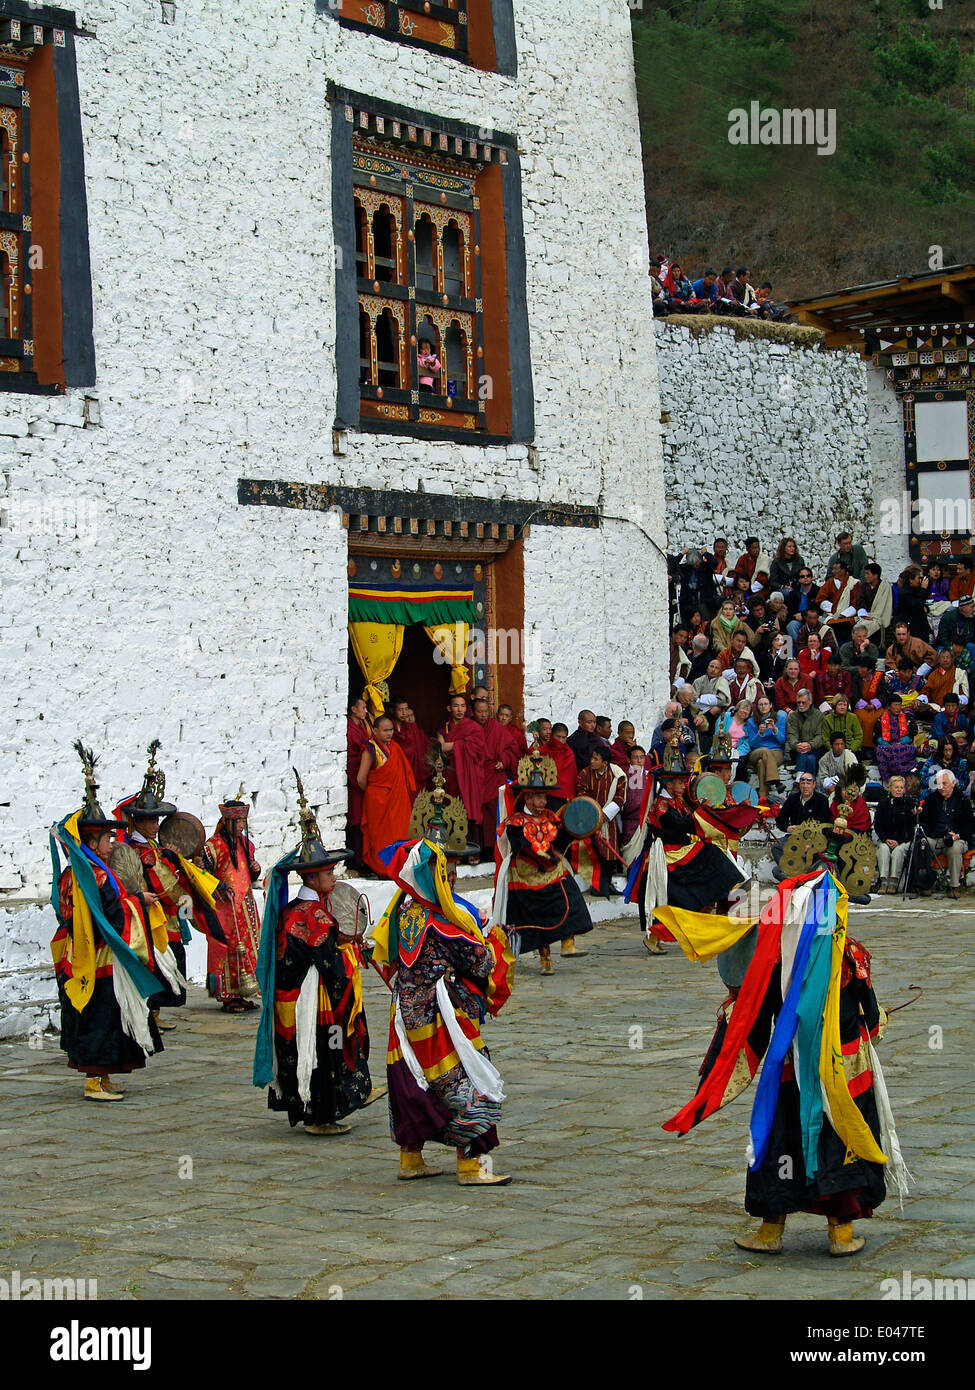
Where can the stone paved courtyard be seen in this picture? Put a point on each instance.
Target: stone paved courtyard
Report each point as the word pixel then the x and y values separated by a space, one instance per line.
pixel 604 1205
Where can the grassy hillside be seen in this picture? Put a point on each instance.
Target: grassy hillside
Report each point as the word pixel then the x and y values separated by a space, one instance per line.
pixel 901 79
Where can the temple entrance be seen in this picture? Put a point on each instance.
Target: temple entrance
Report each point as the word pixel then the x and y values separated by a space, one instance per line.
pixel 421 680
pixel 417 677
pixel 422 622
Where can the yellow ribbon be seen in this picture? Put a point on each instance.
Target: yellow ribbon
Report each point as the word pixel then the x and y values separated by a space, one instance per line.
pixel 353 960
pixel 703 935
pixel 843 1113
pixel 81 986
pixel 380 935
pixel 205 883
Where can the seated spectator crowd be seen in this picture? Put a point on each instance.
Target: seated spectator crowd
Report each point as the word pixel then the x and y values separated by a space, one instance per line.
pixel 817 678
pixel 730 293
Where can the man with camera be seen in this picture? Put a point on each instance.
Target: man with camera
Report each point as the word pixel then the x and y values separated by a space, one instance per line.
pixel 948 822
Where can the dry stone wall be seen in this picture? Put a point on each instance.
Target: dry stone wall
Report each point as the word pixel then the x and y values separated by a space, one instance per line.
pixel 773 439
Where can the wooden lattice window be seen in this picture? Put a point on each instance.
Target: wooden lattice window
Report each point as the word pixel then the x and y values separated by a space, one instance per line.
pixel 429 239
pixel 478 32
pixel 16 307
pixel 421 23
pixel 417 235
pixel 45 304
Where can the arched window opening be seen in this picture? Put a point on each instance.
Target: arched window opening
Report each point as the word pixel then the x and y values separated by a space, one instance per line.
pixel 430 377
pixel 365 348
pixel 425 243
pixel 387 349
pixel 361 254
pixel 453 260
pixel 455 348
pixel 384 238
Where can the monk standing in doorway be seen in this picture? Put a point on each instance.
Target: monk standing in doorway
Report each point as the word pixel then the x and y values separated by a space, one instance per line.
pixel 388 786
pixel 462 742
pixel 500 766
pixel 412 740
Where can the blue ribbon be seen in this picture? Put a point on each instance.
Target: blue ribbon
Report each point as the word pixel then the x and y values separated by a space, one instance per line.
pixel 274 904
pixel 809 1035
pixel 767 1093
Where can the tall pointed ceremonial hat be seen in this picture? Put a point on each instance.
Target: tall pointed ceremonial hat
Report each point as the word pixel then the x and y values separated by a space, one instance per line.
pixel 721 751
pixel 92 816
pixel 149 801
pixel 312 854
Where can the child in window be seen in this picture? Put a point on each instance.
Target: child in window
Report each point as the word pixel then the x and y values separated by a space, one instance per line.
pixel 428 362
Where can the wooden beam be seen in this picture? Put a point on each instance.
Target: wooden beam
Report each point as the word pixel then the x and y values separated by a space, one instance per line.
pixel 845 339
pixel 896 291
pixel 958 295
pixel 806 316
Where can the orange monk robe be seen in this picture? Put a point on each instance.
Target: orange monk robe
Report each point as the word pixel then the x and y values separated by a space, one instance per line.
pixel 386 803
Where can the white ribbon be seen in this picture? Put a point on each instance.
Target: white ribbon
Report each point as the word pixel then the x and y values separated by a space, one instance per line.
pixel 169 970
pixel 306 1030
pixel 133 1010
pixel 409 1056
pixel 897 1175
pixel 481 1072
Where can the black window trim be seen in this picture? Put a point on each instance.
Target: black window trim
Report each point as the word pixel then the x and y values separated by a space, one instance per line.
pixel 502 25
pixel 347 411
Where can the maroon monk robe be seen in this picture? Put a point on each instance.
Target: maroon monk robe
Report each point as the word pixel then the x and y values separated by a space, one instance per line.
pixel 620 754
pixel 358 737
pixel 565 763
pixel 636 780
pixel 521 743
pixel 465 772
pixel 414 744
pixel 501 746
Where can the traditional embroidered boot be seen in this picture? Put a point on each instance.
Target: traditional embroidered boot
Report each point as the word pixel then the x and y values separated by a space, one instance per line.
pixel 375 1094
pixel 114 1086
pixel 471 1172
pixel 767 1240
pixel 165 1025
pixel 569 947
pixel 842 1241
pixel 653 945
pixel 94 1090
pixel 545 956
pixel 411 1165
pixel 327 1129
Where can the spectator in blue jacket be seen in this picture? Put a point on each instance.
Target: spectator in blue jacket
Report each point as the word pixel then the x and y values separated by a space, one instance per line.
pixel 765 731
pixel 706 287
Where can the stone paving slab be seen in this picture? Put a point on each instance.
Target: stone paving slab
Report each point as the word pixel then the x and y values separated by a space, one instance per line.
pixel 190 1189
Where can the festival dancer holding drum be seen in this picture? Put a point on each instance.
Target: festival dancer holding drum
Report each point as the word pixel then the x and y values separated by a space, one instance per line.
pixel 536 897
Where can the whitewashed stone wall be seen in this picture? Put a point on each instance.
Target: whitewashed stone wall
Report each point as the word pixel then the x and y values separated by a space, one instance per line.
pixel 139 599
pixel 772 439
pixel 892 522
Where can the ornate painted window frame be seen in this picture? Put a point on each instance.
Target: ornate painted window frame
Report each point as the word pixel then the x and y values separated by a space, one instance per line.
pixel 49 345
pixel 380 146
pixel 480 33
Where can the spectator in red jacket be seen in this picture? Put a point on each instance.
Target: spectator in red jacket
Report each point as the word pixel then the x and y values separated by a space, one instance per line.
pixel 787 687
